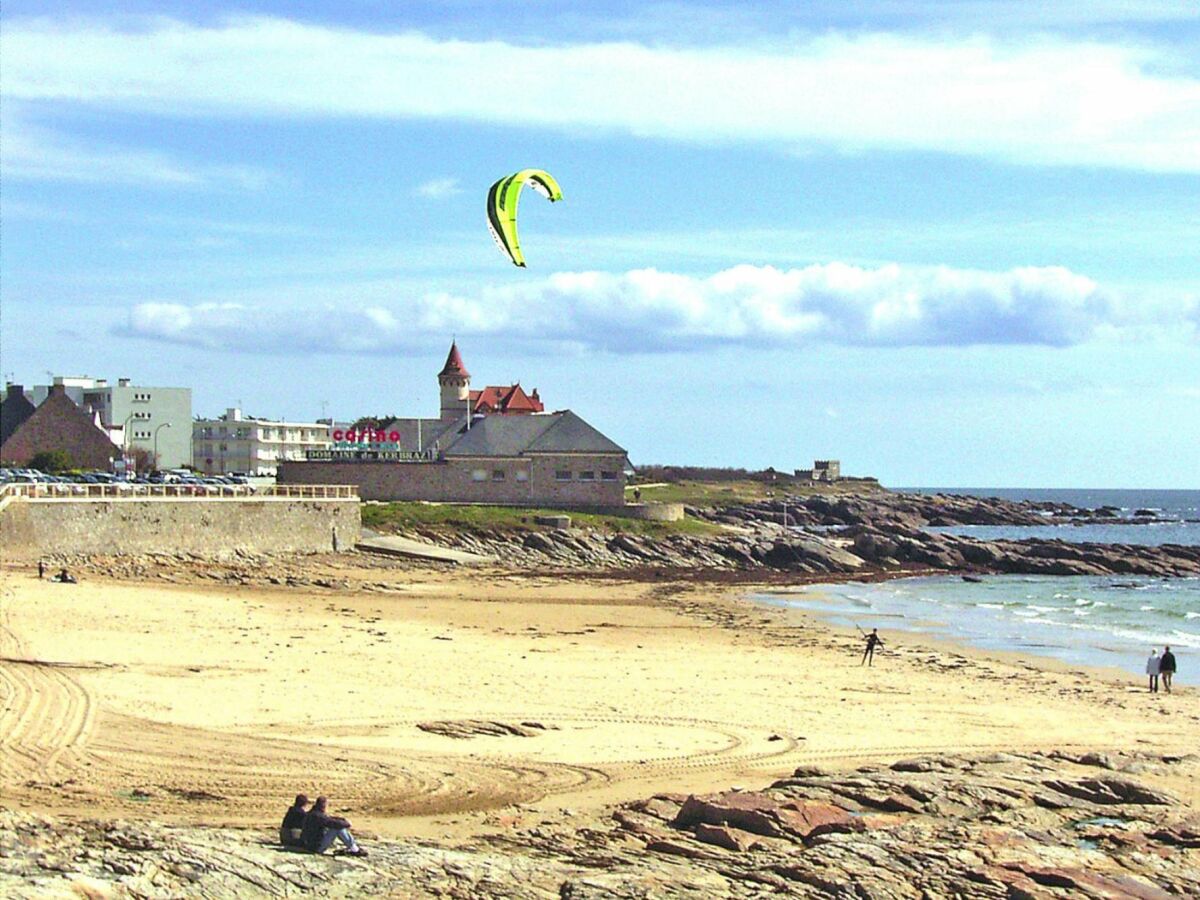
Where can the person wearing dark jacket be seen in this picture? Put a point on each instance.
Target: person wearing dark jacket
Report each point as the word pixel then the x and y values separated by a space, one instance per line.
pixel 873 641
pixel 1166 667
pixel 320 830
pixel 290 832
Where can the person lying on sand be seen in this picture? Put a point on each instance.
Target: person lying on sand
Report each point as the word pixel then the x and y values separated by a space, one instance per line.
pixel 291 831
pixel 320 829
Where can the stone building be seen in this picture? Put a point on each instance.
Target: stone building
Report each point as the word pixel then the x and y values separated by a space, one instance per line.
pixel 827 470
pixel 519 455
pixel 553 459
pixel 59 424
pixel 454 384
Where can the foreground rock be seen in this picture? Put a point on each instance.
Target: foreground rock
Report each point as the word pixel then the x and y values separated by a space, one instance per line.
pixel 1002 826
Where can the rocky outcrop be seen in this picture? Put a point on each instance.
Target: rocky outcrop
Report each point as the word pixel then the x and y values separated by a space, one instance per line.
pixel 873 536
pixel 848 536
pixel 996 827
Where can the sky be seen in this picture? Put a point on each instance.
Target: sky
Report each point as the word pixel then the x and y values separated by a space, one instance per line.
pixel 949 243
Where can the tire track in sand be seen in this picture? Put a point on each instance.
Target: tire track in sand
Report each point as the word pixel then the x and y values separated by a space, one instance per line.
pixel 47 718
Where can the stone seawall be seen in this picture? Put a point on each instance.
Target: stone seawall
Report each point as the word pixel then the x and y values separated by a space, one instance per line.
pixel 32 528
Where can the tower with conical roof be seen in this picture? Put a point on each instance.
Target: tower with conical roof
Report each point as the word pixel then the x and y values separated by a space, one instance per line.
pixel 455 383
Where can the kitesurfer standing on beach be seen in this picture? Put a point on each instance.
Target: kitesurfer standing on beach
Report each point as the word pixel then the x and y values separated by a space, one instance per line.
pixel 873 641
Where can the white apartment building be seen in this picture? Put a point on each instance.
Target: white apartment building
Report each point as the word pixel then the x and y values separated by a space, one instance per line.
pixel 250 446
pixel 154 419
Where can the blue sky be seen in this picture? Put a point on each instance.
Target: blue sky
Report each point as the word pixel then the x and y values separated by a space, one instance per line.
pixel 949 243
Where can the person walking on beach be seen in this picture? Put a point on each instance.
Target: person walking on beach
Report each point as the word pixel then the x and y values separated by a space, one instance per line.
pixel 873 641
pixel 321 829
pixel 41 569
pixel 1166 667
pixel 1152 665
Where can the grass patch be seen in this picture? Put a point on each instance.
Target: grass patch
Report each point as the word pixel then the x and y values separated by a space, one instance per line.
pixel 385 517
pixel 729 493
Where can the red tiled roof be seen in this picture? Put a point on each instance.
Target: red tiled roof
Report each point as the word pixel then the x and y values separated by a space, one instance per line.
pixel 505 400
pixel 454 364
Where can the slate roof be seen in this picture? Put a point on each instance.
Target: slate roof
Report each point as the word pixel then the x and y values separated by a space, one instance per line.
pixel 15 409
pixel 560 432
pixel 432 431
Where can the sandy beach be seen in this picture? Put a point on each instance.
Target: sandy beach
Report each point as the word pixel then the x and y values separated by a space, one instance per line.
pixel 205 703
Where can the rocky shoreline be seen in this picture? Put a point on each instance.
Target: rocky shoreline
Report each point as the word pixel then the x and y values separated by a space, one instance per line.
pixel 1018 826
pixel 861 535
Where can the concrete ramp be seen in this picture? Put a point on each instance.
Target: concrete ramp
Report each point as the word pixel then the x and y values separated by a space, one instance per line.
pixel 390 545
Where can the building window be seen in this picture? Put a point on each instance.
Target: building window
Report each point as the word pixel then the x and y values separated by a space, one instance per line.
pixel 587 476
pixel 608 476
pixel 562 475
pixel 497 474
pixel 479 474
pixel 141 398
pixel 522 475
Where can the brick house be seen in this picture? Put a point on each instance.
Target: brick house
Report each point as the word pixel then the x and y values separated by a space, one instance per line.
pixel 59 424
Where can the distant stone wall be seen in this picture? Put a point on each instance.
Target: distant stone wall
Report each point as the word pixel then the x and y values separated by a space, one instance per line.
pixel 31 528
pixel 524 481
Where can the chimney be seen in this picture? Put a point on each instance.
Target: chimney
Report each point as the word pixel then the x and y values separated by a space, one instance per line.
pixel 57 388
pixel 14 390
pixel 122 382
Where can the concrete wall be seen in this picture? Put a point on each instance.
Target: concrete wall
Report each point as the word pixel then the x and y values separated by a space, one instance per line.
pixel 651 512
pixel 31 528
pixel 453 480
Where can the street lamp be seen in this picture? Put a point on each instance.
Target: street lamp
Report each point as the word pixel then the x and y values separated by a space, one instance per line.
pixel 156 431
pixel 125 441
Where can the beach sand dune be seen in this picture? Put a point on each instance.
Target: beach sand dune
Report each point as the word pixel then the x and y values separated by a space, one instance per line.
pixel 459 694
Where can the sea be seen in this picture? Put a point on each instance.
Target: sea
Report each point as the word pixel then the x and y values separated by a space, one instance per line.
pixel 1086 620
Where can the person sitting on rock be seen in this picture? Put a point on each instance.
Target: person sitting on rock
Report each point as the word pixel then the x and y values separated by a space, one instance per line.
pixel 320 830
pixel 64 577
pixel 291 831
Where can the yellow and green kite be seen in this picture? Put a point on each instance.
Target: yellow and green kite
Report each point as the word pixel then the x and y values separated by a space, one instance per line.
pixel 502 207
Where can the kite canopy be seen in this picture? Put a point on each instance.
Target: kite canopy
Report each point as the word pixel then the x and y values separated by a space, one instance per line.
pixel 502 207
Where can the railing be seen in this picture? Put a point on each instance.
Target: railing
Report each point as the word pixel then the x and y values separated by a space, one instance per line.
pixel 126 491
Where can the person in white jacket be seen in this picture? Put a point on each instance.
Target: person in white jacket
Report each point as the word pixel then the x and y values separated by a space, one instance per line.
pixel 1152 670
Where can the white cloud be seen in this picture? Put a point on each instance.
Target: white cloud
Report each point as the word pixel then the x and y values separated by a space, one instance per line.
pixel 651 311
pixel 439 188
pixel 35 153
pixel 1044 100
